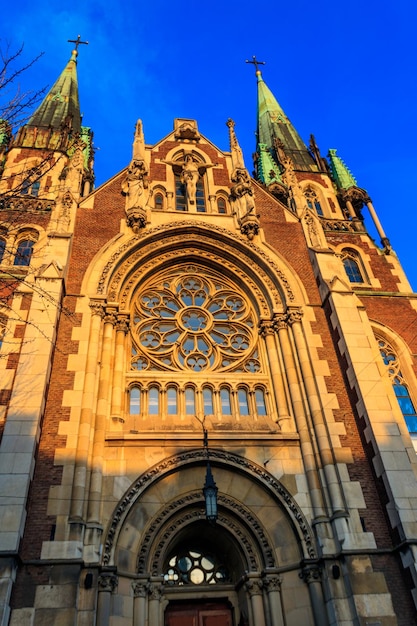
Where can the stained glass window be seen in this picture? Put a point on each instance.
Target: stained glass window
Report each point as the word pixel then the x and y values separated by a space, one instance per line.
pixel 399 385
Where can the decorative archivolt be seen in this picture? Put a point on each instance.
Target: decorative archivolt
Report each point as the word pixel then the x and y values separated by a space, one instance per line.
pixel 233 516
pixel 219 457
pixel 217 246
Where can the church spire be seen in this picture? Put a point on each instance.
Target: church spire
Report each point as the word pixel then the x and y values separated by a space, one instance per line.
pixel 61 104
pixel 342 176
pixel 273 125
pixel 58 116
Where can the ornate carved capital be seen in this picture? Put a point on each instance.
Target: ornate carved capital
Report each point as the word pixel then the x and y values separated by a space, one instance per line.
pixel 272 583
pixel 155 591
pixel 254 587
pixel 294 316
pixel 97 307
pixel 280 321
pixel 310 574
pixel 110 317
pixel 122 323
pixel 140 589
pixel 266 327
pixel 107 582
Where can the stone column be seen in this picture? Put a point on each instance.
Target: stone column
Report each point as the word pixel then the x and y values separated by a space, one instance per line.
pixel 170 200
pixel 254 588
pixel 272 584
pixel 107 583
pixel 86 415
pixel 267 331
pixel 140 593
pixel 155 591
pixel 307 445
pixel 311 575
pixel 316 410
pixel 351 210
pixel 101 417
pixel 384 239
pixel 212 201
pixel 122 326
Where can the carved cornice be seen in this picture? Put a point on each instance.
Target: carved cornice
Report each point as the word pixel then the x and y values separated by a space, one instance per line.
pixel 26 204
pixel 191 457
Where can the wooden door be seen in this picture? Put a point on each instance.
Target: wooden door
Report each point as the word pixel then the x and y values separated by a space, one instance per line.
pixel 201 614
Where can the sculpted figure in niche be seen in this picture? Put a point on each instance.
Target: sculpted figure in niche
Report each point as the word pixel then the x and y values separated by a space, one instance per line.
pixel 189 177
pixel 190 174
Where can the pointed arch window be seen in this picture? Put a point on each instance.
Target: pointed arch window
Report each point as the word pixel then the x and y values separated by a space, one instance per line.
pixel 180 194
pixel 313 201
pixel 260 402
pixel 208 401
pixel 225 401
pixel 153 401
pixel 351 263
pixel 29 188
pixel 159 201
pixel 2 249
pixel 24 252
pixel 189 401
pixel 242 396
pixel 172 405
pixel 399 385
pixel 221 205
pixel 134 401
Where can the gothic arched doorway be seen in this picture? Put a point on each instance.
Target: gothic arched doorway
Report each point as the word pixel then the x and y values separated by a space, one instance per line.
pixel 244 569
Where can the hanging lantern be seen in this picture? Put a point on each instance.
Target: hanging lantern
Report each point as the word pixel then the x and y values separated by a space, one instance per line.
pixel 210 495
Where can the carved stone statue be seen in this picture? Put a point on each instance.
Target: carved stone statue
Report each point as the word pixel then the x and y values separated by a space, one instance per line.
pixel 190 173
pixel 135 183
pixel 242 192
pixel 136 180
pixel 189 177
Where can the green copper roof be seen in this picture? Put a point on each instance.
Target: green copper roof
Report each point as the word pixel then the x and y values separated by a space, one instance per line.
pixel 273 124
pixel 340 172
pixel 61 102
pixel 267 170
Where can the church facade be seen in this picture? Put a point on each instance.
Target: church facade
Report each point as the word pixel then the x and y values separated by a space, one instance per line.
pixel 208 384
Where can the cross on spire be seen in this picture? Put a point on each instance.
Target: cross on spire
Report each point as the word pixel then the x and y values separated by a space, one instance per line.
pixel 77 42
pixel 256 63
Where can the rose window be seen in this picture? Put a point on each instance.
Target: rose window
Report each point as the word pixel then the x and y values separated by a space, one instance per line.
pixel 193 319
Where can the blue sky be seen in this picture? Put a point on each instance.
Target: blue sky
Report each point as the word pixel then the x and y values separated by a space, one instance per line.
pixel 344 71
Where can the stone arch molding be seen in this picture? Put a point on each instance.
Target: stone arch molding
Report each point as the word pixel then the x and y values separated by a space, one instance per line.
pixel 114 272
pixel 187 507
